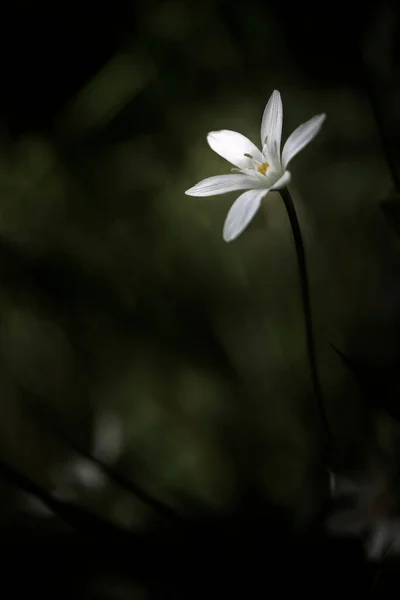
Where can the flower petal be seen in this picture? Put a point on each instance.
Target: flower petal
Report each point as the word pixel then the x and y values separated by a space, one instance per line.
pixel 241 213
pixel 271 129
pixel 221 184
pixel 282 181
pixel 233 146
pixel 301 137
pixel 271 155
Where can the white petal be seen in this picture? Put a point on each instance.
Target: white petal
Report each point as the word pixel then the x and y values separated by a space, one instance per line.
pixel 233 146
pixel 282 181
pixel 271 155
pixel 241 213
pixel 221 184
pixel 271 129
pixel 300 138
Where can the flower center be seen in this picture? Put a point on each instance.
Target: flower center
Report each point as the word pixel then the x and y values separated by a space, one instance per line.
pixel 263 168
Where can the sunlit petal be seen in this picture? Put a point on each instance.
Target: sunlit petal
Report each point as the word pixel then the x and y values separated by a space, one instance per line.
pixel 271 129
pixel 300 137
pixel 233 147
pixel 282 181
pixel 241 213
pixel 221 184
pixel 271 155
pixel 271 124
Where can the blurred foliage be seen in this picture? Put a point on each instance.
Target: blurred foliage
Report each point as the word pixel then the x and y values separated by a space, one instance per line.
pixel 118 296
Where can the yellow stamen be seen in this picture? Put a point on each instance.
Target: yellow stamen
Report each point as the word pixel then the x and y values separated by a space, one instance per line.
pixel 263 168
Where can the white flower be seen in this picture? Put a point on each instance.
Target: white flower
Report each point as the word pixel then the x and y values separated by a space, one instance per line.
pixel 258 172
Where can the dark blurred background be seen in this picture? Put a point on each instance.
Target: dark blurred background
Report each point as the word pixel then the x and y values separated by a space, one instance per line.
pixel 131 334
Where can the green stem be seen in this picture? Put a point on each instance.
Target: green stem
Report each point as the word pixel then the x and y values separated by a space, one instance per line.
pixel 305 294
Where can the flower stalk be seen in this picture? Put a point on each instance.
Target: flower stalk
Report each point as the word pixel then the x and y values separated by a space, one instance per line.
pixel 308 323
